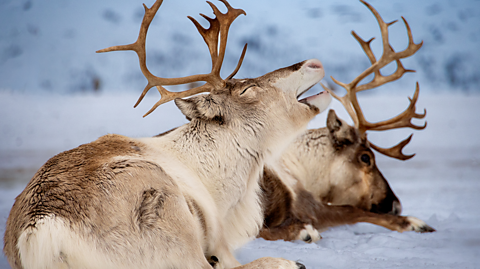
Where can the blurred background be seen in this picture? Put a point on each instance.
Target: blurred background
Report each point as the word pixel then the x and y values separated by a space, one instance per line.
pixel 49 46
pixel 57 93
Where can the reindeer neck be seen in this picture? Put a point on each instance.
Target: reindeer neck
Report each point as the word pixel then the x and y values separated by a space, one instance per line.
pixel 307 158
pixel 226 160
pixel 223 150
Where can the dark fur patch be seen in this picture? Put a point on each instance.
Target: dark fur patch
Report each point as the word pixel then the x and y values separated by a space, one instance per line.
pixel 284 216
pixel 277 200
pixel 213 261
pixel 296 66
pixel 151 204
pixel 341 134
pixel 327 198
pixel 219 119
pixel 198 213
pixel 167 132
pixel 386 204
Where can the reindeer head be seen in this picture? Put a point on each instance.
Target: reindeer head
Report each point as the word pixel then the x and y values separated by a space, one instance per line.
pixel 263 106
pixel 354 176
pixel 253 103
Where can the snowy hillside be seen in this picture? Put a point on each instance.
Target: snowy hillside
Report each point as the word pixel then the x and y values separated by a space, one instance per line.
pixel 49 46
pixel 57 93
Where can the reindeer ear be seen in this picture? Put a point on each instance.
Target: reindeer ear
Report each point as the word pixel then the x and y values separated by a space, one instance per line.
pixel 201 106
pixel 188 107
pixel 333 122
pixel 341 134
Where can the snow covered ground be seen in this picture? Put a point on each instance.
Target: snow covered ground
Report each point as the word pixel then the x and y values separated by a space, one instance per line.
pixel 440 185
pixel 56 94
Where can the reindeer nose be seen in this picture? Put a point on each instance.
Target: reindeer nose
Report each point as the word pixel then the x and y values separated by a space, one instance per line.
pixel 314 68
pixel 389 205
pixel 314 64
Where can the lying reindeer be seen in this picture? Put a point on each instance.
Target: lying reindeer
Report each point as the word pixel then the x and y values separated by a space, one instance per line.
pixel 337 166
pixel 186 199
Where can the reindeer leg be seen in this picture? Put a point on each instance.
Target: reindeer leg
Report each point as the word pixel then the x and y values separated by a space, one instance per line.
pixel 330 216
pixel 291 231
pixel 283 218
pixel 325 216
pixel 290 218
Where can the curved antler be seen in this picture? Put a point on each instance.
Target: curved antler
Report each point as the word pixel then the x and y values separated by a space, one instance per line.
pixel 218 29
pixel 350 101
pixel 395 151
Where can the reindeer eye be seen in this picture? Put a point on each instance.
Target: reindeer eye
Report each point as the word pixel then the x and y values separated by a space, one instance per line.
pixel 365 158
pixel 246 89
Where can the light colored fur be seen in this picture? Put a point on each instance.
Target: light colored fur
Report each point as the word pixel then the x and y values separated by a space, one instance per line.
pixel 333 173
pixel 170 201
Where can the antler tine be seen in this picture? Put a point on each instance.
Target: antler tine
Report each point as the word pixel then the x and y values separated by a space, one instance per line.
pixel 219 27
pixel 344 100
pixel 379 79
pixel 412 47
pixel 403 119
pixel 168 96
pixel 225 21
pixel 210 36
pixel 240 61
pixel 366 47
pixel 395 151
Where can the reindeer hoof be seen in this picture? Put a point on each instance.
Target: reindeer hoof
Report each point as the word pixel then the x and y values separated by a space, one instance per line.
pixel 309 234
pixel 419 226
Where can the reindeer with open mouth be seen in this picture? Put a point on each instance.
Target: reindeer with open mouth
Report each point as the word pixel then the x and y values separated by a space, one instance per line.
pixel 337 166
pixel 186 199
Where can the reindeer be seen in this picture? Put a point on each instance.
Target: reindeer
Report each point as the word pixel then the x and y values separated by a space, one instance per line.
pixel 337 166
pixel 186 199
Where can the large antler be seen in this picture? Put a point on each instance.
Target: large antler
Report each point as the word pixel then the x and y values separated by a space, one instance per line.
pixel 350 101
pixel 219 27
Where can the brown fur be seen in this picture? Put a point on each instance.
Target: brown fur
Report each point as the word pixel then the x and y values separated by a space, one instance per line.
pixel 88 167
pixel 286 214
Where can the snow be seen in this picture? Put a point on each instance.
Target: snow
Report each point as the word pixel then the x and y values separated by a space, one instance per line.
pixel 48 104
pixel 440 185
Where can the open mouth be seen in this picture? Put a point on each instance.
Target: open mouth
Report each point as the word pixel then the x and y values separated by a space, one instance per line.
pixel 312 71
pixel 321 100
pixel 306 99
pixel 304 91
